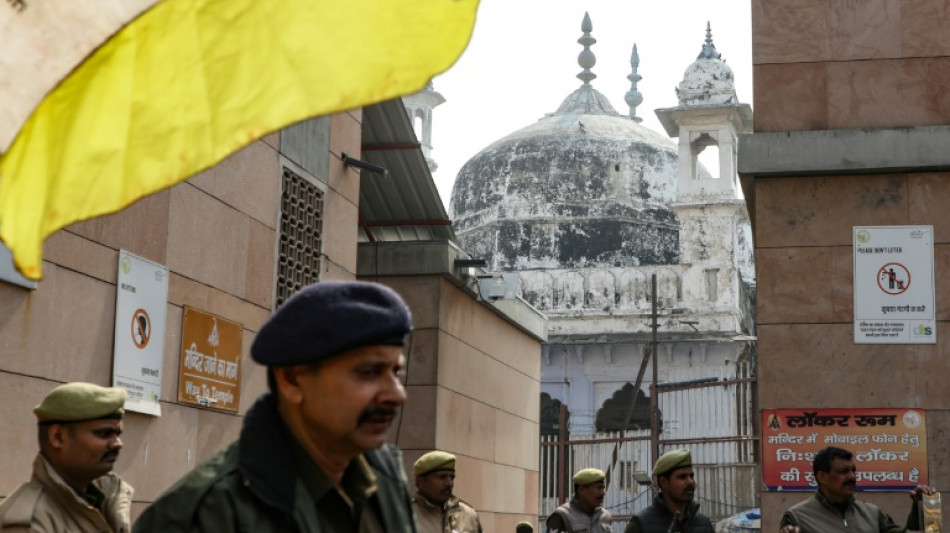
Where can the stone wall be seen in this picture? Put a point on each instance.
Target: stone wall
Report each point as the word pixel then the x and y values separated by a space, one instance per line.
pixel 473 382
pixel 876 66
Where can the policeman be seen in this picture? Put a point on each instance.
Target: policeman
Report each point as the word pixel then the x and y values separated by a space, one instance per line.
pixel 311 455
pixel 673 508
pixel 72 488
pixel 585 511
pixel 524 527
pixel 437 509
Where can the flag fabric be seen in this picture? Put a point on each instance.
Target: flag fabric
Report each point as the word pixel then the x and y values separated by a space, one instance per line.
pixel 190 81
pixel 43 42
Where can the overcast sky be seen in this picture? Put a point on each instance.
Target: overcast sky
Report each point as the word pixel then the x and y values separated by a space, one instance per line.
pixel 522 62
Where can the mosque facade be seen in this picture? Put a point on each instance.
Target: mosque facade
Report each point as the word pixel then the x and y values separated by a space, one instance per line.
pixel 586 207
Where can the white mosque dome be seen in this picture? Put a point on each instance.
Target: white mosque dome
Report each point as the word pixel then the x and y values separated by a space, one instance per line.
pixel 582 187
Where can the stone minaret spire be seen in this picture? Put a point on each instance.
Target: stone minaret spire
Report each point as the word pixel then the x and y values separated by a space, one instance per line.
pixel 586 100
pixel 586 58
pixel 709 49
pixel 709 117
pixel 633 96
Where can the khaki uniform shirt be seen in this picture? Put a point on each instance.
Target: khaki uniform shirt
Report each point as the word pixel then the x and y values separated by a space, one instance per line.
pixel 48 503
pixel 455 516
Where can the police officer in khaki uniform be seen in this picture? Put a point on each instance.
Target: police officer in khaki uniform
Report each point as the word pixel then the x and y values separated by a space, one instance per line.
pixel 437 509
pixel 585 512
pixel 312 453
pixel 72 488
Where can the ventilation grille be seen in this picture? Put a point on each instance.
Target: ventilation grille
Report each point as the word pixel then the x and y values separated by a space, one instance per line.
pixel 301 235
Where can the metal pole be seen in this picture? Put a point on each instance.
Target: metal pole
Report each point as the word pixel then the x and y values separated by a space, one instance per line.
pixel 563 474
pixel 654 401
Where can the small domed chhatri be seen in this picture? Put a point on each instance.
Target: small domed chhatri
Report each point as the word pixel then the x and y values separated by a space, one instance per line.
pixel 582 187
pixel 709 80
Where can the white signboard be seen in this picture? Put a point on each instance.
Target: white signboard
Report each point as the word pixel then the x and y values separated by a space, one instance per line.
pixel 140 304
pixel 894 285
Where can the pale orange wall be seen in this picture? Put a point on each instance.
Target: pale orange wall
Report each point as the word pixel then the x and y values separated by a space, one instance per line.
pixel 474 390
pixel 217 235
pixel 822 64
pixel 341 204
pixel 840 65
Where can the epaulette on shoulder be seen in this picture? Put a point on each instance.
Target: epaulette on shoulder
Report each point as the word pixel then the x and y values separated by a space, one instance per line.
pixel 19 506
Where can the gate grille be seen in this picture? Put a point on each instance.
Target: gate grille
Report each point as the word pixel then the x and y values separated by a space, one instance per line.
pixel 713 418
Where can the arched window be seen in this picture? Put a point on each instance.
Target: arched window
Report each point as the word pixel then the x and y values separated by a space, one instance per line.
pixel 611 415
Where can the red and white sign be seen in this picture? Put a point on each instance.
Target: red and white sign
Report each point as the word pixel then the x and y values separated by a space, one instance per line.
pixel 141 301
pixel 894 300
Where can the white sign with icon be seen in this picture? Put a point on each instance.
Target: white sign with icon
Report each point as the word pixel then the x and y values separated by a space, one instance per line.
pixel 894 300
pixel 141 302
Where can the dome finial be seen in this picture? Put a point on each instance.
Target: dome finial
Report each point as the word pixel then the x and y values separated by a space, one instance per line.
pixel 709 49
pixel 633 96
pixel 586 58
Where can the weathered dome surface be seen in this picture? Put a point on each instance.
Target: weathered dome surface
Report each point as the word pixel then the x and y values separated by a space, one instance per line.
pixel 709 80
pixel 582 187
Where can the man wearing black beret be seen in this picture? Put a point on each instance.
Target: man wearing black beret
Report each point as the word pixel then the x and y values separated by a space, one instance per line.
pixel 311 455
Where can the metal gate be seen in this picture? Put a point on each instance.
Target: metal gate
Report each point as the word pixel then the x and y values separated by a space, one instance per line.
pixel 713 418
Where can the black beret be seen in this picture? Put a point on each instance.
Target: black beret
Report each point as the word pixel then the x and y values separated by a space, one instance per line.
pixel 329 318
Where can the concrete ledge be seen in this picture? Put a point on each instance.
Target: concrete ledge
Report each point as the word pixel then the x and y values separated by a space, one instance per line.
pixel 407 258
pixel 827 152
pixel 524 316
pixel 437 258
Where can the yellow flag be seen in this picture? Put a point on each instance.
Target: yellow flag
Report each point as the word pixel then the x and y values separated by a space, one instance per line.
pixel 191 81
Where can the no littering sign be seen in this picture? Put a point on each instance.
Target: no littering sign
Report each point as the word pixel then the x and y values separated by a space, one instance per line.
pixel 894 285
pixel 894 278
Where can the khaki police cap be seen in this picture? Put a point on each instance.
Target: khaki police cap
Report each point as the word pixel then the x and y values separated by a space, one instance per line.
pixel 672 460
pixel 433 461
pixel 588 476
pixel 75 402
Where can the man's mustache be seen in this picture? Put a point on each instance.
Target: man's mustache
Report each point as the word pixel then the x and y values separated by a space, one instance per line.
pixel 110 455
pixel 371 412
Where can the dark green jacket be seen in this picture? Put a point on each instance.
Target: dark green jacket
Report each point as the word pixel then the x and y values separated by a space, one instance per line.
pixel 572 518
pixel 253 487
pixel 818 515
pixel 658 518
